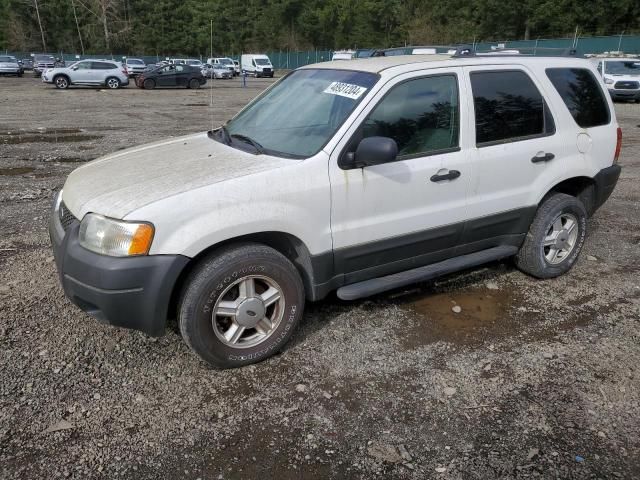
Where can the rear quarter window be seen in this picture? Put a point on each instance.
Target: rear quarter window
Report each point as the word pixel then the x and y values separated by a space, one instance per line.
pixel 582 95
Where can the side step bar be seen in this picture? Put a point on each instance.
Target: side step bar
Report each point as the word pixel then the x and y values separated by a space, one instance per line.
pixel 421 274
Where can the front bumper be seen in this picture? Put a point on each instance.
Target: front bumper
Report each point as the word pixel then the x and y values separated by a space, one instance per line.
pixel 624 94
pixel 129 292
pixel 11 70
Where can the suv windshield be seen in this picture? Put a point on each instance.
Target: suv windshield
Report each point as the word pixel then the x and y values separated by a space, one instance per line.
pixel 298 115
pixel 226 61
pixel 44 58
pixel 7 59
pixel 133 61
pixel 631 67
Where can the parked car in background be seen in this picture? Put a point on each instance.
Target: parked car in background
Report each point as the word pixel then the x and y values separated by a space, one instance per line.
pixel 621 75
pixel 223 62
pixel 343 55
pixel 193 62
pixel 256 64
pixel 9 65
pixel 41 62
pixel 357 176
pixel 216 71
pixel 135 66
pixel 179 75
pixel 108 73
pixel 27 63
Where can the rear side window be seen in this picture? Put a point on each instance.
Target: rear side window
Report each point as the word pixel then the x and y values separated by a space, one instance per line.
pixel 508 107
pixel 103 66
pixel 581 94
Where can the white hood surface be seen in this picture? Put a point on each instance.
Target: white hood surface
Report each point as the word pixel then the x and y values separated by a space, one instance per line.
pixel 127 180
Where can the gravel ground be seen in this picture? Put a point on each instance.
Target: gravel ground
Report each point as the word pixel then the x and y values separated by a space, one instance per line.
pixel 532 379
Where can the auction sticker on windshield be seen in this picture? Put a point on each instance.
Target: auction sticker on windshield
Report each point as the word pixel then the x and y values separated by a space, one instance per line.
pixel 348 90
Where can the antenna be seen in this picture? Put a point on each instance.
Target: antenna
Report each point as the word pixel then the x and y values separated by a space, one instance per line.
pixel 212 76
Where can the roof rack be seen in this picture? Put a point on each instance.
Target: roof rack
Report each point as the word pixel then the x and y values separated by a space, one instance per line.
pixel 463 50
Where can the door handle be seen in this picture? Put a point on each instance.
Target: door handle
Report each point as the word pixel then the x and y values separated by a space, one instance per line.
pixel 543 157
pixel 451 175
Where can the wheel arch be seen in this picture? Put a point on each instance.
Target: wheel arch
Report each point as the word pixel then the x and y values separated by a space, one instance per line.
pixel 285 243
pixel 581 187
pixel 58 75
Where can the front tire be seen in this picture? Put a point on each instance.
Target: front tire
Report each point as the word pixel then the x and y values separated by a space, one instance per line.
pixel 61 82
pixel 555 237
pixel 149 84
pixel 241 305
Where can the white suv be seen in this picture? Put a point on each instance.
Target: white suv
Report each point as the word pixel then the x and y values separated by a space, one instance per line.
pixel 357 176
pixel 106 73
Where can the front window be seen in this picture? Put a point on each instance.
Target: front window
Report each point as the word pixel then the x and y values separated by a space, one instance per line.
pixel 622 67
pixel 421 115
pixel 4 59
pixel 262 61
pixel 226 61
pixel 44 58
pixel 135 62
pixel 298 115
pixel 194 62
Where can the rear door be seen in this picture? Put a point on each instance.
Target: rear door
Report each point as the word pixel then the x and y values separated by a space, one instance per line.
pixel 410 212
pixel 514 142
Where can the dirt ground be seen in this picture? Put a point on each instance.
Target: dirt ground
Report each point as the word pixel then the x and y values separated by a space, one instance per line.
pixel 533 379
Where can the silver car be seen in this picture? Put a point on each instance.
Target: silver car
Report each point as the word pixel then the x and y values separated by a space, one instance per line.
pixel 9 66
pixel 216 71
pixel 135 66
pixel 107 73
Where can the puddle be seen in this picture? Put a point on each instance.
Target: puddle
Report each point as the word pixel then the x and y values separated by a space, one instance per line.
pixel 485 314
pixel 14 171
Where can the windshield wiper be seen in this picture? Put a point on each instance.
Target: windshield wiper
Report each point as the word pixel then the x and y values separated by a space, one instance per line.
pixel 259 148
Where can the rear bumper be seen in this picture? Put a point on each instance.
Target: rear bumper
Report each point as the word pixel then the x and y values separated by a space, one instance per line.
pixel 126 292
pixel 605 181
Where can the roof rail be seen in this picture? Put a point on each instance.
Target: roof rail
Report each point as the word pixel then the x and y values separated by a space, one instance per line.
pixel 466 50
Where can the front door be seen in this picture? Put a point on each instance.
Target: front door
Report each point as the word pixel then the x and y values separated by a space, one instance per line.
pixel 167 76
pixel 410 212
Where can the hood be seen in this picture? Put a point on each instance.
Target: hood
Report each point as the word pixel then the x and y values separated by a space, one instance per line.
pixel 125 181
pixel 9 64
pixel 624 77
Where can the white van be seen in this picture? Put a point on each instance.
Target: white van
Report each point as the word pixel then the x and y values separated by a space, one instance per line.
pixel 343 55
pixel 258 65
pixel 357 176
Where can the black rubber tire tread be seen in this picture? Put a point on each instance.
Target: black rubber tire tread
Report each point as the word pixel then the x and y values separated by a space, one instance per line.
pixel 530 258
pixel 194 83
pixel 149 84
pixel 211 276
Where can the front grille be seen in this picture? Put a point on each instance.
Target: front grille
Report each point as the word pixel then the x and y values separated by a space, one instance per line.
pixel 66 217
pixel 626 85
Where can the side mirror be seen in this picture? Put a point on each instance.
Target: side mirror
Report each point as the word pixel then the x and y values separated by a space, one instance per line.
pixel 371 151
pixel 74 68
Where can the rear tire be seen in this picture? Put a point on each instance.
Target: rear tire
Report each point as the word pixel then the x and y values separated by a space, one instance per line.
pixel 241 305
pixel 555 237
pixel 149 84
pixel 61 82
pixel 112 83
pixel 194 83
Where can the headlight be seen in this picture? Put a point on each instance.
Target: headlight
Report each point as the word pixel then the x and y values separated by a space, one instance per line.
pixel 608 81
pixel 115 238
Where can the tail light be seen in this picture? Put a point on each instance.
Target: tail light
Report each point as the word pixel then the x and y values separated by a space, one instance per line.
pixel 124 70
pixel 618 145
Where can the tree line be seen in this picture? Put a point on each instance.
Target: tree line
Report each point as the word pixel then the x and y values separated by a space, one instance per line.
pixel 166 27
